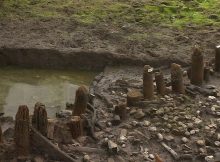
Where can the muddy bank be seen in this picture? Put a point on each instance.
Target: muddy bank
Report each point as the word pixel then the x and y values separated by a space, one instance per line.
pixel 76 58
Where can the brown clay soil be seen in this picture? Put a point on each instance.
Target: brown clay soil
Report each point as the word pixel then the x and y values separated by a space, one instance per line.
pixel 152 42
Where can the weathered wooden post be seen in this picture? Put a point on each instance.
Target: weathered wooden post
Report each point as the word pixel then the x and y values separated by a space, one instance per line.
pixel 133 97
pixel 121 110
pixel 22 134
pixel 81 101
pixel 76 126
pixel 197 70
pixel 1 138
pixel 207 74
pixel 161 87
pixel 217 58
pixel 148 83
pixel 177 79
pixel 39 119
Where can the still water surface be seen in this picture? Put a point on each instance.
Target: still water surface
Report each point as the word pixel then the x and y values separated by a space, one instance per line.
pixel 27 86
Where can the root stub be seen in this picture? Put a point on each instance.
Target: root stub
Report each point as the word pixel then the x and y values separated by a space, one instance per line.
pixel 39 119
pixel 81 101
pixel 121 111
pixel 148 84
pixel 22 140
pixel 197 70
pixel 76 126
pixel 133 97
pixel 177 79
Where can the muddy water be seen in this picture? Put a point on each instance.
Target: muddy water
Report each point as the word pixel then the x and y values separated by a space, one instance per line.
pixel 51 87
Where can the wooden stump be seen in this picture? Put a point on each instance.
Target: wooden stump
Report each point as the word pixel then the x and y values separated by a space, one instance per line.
pixel 76 126
pixel 1 138
pixel 81 101
pixel 177 79
pixel 161 87
pixel 197 70
pixel 121 110
pixel 207 74
pixel 217 59
pixel 133 97
pixel 39 119
pixel 22 134
pixel 148 84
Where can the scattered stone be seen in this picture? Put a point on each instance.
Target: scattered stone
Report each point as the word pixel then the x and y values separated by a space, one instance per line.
pixel 152 129
pixel 86 158
pixel 116 120
pixel 139 114
pixel 169 138
pixel 160 137
pixel 200 142
pixel 146 123
pixel 185 140
pixel 64 114
pixel 217 143
pixel 113 147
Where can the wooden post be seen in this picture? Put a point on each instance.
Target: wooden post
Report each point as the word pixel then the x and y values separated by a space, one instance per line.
pixel 161 87
pixel 39 119
pixel 1 135
pixel 22 134
pixel 121 110
pixel 207 74
pixel 217 58
pixel 148 84
pixel 76 126
pixel 177 79
pixel 133 97
pixel 81 101
pixel 197 71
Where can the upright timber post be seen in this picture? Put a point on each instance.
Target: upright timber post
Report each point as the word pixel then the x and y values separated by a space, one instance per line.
pixel 81 101
pixel 148 83
pixel 197 70
pixel 39 119
pixel 177 79
pixel 1 138
pixel 76 126
pixel 217 58
pixel 22 134
pixel 161 88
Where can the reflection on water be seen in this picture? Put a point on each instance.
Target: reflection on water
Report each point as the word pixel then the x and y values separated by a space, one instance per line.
pixel 51 87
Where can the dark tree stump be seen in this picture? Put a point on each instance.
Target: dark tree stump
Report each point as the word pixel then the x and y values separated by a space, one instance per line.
pixel 148 83
pixel 81 101
pixel 207 74
pixel 22 133
pixel 133 97
pixel 177 79
pixel 161 87
pixel 76 126
pixel 217 59
pixel 1 138
pixel 197 70
pixel 39 119
pixel 121 110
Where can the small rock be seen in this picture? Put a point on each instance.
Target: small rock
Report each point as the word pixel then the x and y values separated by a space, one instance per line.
pixel 160 137
pixel 200 142
pixel 152 129
pixel 185 140
pixel 169 138
pixel 146 123
pixel 151 156
pixel 113 147
pixel 139 114
pixel 116 120
pixel 217 143
pixel 86 158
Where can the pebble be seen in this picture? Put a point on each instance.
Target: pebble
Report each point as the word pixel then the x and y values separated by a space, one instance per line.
pixel 169 138
pixel 160 136
pixel 192 132
pixel 139 114
pixel 217 143
pixel 151 156
pixel 185 140
pixel 86 158
pixel 146 123
pixel 152 129
pixel 200 142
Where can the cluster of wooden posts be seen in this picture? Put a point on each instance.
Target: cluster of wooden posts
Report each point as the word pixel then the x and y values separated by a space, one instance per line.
pixel 39 121
pixel 198 73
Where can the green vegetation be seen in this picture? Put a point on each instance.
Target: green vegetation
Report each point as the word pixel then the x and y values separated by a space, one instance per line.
pixel 176 13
